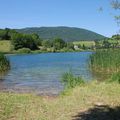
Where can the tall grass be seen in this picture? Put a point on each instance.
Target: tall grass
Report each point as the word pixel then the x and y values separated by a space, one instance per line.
pixel 71 81
pixel 107 61
pixel 4 63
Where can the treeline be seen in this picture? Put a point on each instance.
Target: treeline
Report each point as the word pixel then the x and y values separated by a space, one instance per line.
pixel 113 42
pixel 33 41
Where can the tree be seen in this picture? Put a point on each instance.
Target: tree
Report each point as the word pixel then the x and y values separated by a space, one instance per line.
pixel 84 47
pixel 46 43
pixel 97 45
pixel 37 39
pixel 116 37
pixel 70 45
pixel 58 43
pixel 23 41
pixel 106 44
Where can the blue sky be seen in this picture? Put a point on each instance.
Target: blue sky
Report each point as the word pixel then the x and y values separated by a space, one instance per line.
pixel 73 13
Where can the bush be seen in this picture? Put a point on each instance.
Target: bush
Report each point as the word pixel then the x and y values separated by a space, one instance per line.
pixel 4 63
pixel 71 81
pixel 115 77
pixel 23 41
pixel 24 50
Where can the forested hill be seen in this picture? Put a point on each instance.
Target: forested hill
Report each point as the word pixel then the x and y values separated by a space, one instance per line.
pixel 66 33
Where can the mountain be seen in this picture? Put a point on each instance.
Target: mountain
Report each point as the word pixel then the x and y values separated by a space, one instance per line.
pixel 66 33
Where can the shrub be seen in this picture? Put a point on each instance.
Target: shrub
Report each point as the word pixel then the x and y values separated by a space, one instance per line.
pixel 115 77
pixel 24 50
pixel 71 81
pixel 4 63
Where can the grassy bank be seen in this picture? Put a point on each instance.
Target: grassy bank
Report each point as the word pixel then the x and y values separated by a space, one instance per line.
pixel 4 63
pixel 5 46
pixel 86 43
pixel 76 103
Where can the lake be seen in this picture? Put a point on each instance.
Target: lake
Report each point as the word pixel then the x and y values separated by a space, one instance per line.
pixel 42 73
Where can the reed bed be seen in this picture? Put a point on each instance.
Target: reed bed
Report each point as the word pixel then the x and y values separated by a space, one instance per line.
pixel 105 61
pixel 4 63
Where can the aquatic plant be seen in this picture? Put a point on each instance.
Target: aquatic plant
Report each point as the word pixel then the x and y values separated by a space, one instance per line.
pixel 71 81
pixel 4 63
pixel 108 62
pixel 105 60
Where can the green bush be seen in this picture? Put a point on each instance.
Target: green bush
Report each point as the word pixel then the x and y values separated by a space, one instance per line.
pixel 24 50
pixel 115 77
pixel 4 63
pixel 71 81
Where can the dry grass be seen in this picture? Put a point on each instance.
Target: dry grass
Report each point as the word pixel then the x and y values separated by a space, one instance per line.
pixel 64 107
pixel 5 46
pixel 86 43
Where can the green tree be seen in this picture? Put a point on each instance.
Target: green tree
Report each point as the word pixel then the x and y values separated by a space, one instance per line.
pixel 37 39
pixel 46 43
pixel 106 44
pixel 23 41
pixel 70 45
pixel 58 43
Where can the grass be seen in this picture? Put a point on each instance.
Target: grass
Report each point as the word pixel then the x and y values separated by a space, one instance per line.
pixel 106 60
pixel 5 46
pixel 4 63
pixel 71 81
pixel 86 43
pixel 63 107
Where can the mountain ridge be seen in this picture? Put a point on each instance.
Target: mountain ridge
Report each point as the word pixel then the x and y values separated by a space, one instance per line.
pixel 68 34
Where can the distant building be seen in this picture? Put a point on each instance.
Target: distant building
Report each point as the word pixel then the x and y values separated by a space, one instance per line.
pixel 76 47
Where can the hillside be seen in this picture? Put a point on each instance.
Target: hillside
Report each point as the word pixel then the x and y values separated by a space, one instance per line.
pixel 66 33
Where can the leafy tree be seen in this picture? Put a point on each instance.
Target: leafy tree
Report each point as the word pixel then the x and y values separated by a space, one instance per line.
pixel 84 47
pixel 46 43
pixel 116 37
pixel 37 39
pixel 70 45
pixel 23 41
pixel 106 44
pixel 97 45
pixel 58 43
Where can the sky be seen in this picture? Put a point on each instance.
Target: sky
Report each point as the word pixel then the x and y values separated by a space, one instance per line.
pixel 73 13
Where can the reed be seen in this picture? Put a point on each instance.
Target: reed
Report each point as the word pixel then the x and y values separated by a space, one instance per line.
pixel 4 63
pixel 71 81
pixel 105 61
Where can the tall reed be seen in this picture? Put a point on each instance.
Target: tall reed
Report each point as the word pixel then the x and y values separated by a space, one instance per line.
pixel 105 61
pixel 71 81
pixel 4 63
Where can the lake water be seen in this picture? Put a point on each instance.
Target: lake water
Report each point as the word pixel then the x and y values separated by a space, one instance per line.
pixel 42 73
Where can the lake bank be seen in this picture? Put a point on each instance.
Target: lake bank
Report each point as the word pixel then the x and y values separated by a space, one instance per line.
pixel 42 73
pixel 81 100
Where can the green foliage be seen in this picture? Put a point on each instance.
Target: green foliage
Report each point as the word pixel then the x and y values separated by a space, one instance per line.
pixel 37 39
pixel 58 43
pixel 71 81
pixel 23 41
pixel 115 77
pixel 106 44
pixel 24 50
pixel 4 63
pixel 116 37
pixel 5 34
pixel 70 45
pixel 46 43
pixel 106 60
pixel 69 34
